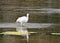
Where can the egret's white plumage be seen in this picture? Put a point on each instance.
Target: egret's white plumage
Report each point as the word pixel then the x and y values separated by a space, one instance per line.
pixel 22 20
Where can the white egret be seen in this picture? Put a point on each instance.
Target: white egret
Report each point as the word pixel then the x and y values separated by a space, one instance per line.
pixel 23 20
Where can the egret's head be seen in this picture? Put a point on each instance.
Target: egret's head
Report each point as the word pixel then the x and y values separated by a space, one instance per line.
pixel 27 14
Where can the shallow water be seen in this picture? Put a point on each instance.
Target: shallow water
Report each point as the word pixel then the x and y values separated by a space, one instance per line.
pixel 43 36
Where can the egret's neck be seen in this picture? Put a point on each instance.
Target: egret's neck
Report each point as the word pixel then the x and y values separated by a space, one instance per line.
pixel 28 16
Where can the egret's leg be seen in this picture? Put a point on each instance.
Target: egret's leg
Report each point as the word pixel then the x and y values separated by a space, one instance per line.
pixel 24 24
pixel 21 24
